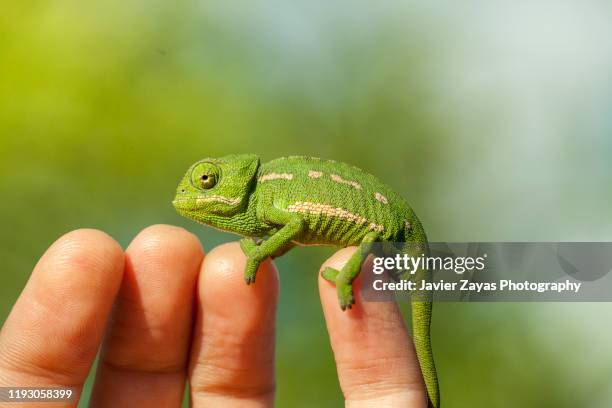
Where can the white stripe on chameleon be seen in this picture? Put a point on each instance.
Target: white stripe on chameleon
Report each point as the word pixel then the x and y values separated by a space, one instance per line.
pixel 218 198
pixel 408 226
pixel 306 207
pixel 376 227
pixel 381 198
pixel 275 176
pixel 314 174
pixel 340 180
pixel 299 157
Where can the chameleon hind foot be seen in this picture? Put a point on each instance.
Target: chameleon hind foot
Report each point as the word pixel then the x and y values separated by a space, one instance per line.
pixel 343 288
pixel 345 294
pixel 330 274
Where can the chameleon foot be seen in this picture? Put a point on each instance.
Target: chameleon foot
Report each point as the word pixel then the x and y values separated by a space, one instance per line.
pixel 251 271
pixel 345 295
pixel 330 274
pixel 343 288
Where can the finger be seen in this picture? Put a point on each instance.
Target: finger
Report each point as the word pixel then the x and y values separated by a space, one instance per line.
pixel 53 332
pixel 375 357
pixel 144 358
pixel 232 361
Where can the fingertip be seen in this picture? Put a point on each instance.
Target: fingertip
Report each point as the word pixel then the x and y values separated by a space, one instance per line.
pixel 86 260
pixel 162 244
pixel 339 258
pixel 85 248
pixel 222 280
pixel 168 237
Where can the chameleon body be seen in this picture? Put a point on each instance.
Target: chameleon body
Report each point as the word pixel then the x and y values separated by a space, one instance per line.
pixel 305 200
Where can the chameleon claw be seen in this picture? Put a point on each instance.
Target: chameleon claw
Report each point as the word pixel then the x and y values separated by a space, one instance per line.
pixel 251 271
pixel 345 295
pixel 347 306
pixel 249 278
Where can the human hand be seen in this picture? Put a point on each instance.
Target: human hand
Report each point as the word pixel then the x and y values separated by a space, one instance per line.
pixel 167 314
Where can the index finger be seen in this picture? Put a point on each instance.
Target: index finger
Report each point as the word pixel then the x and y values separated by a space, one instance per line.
pixel 375 357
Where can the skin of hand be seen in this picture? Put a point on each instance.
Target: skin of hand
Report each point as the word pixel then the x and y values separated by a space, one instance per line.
pixel 165 313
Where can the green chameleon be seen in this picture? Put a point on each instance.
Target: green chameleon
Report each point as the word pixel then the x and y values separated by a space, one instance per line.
pixel 306 200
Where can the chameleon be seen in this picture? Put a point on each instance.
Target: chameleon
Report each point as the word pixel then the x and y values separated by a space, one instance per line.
pixel 301 200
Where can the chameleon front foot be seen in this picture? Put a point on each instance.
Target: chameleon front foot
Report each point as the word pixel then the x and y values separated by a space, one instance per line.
pixel 250 271
pixel 250 249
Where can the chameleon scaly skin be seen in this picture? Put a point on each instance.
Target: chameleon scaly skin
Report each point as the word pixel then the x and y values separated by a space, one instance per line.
pixel 306 200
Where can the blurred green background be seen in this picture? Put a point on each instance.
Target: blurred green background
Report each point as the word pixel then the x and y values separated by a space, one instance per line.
pixel 493 119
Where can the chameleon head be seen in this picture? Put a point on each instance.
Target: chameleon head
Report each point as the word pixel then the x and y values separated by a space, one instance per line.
pixel 216 188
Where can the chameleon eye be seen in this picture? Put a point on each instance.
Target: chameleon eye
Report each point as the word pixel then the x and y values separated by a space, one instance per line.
pixel 204 176
pixel 208 181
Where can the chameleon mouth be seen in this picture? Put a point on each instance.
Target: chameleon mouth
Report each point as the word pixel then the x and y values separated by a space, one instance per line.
pixel 193 202
pixel 187 204
pixel 184 204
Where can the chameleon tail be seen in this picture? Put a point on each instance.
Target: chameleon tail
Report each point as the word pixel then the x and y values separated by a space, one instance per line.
pixel 421 319
pixel 421 322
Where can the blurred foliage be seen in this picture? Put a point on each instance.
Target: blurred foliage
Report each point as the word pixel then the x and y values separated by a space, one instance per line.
pixel 103 106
